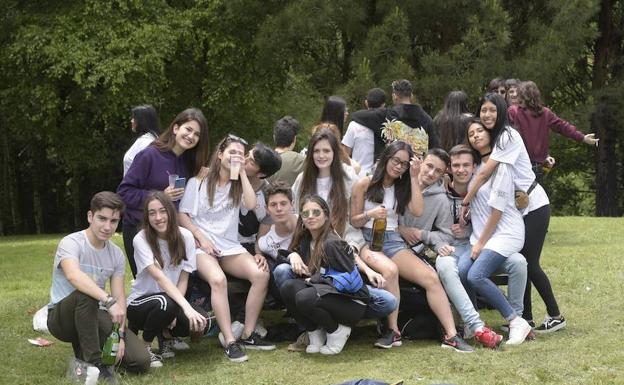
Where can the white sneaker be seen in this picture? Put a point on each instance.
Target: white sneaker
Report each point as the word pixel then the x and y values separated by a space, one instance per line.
pixel 260 329
pixel 519 329
pixel 155 359
pixel 336 340
pixel 179 344
pixel 237 332
pixel 317 340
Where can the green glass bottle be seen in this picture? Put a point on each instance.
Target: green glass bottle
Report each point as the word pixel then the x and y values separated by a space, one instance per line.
pixel 109 351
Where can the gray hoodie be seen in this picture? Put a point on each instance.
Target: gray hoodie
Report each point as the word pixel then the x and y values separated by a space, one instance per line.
pixel 436 220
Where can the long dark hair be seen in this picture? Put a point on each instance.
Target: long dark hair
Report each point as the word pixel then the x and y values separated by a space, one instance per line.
pixel 502 121
pixel 530 98
pixel 337 194
pixel 302 234
pixel 236 187
pixel 197 156
pixel 173 236
pixel 402 186
pixel 476 154
pixel 450 122
pixel 334 112
pixel 146 120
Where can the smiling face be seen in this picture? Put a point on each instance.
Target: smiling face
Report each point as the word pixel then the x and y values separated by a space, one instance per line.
pixel 103 223
pixel 186 136
pixel 158 217
pixel 431 170
pixel 323 154
pixel 251 167
pixel 479 137
pixel 462 167
pixel 488 114
pixel 397 164
pixel 279 207
pixel 311 220
pixel 512 95
pixel 234 149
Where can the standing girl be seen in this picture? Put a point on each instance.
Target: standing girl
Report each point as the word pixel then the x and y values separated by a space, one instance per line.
pixel 181 150
pixel 144 122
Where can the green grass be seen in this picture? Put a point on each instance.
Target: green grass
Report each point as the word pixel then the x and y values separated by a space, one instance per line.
pixel 583 257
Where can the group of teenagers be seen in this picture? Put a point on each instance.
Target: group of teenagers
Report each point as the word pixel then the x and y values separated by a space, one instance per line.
pixel 298 226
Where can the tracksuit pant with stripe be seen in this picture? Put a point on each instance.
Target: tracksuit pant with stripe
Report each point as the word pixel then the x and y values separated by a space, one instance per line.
pixel 153 313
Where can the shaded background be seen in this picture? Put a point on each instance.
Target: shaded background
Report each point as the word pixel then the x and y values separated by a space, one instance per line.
pixel 70 71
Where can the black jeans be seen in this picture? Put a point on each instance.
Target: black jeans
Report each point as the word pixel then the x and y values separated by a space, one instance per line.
pixel 129 231
pixel 78 319
pixel 536 226
pixel 312 311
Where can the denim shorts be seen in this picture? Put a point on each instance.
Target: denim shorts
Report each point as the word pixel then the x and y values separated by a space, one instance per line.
pixel 393 243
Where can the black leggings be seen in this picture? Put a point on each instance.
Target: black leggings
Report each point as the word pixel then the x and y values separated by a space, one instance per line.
pixel 312 311
pixel 129 231
pixel 152 313
pixel 536 226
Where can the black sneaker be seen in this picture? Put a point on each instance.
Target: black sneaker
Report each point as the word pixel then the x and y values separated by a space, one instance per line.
pixel 388 340
pixel 107 374
pixel 234 352
pixel 551 324
pixel 254 341
pixel 457 344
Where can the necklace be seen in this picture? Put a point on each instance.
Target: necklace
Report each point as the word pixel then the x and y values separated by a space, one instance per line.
pixel 486 154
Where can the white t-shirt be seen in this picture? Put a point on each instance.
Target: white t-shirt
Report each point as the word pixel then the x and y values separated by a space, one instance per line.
pixel 218 222
pixel 389 202
pixel 138 145
pixel 98 264
pixel 362 143
pixel 271 242
pixel 498 193
pixel 144 283
pixel 514 153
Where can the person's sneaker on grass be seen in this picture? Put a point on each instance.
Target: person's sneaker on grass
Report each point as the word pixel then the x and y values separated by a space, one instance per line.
pixel 155 359
pixel 166 349
pixel 301 344
pixel 388 340
pixel 486 337
pixel 107 374
pixel 519 329
pixel 234 352
pixel 505 327
pixel 179 344
pixel 254 341
pixel 457 344
pixel 551 324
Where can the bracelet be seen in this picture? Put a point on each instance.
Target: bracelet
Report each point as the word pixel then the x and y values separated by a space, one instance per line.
pixel 465 204
pixel 122 335
pixel 110 301
pixel 366 216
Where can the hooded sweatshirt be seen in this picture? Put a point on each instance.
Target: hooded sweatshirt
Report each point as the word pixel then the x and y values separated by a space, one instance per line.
pixel 411 114
pixel 436 220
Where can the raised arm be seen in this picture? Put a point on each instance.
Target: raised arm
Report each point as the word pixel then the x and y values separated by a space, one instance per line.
pixel 484 174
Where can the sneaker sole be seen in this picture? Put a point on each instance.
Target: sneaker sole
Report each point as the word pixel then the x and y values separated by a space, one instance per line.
pixel 240 359
pixel 392 345
pixel 252 347
pixel 454 348
pixel 156 364
pixel 553 329
pixel 167 355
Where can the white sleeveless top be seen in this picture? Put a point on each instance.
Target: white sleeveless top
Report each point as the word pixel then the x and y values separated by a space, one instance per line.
pixel 389 202
pixel 270 242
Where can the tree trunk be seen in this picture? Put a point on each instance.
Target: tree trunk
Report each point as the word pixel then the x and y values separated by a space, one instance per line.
pixel 607 196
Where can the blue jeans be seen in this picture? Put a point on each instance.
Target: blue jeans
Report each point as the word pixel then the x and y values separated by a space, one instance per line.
pixel 479 279
pixel 515 266
pixel 382 302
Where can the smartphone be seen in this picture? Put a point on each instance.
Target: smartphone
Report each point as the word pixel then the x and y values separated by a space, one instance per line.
pixel 180 183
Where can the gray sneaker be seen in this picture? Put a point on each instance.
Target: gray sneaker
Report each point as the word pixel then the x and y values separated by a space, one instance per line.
pixel 457 344
pixel 234 352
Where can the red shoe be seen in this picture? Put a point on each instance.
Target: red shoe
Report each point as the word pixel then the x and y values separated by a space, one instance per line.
pixel 488 338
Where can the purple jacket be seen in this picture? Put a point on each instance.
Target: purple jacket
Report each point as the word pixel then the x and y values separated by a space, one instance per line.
pixel 149 171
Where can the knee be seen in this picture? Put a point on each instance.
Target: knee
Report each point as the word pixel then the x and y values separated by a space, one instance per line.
pixel 475 277
pixel 446 266
pixel 288 289
pixel 516 263
pixel 259 277
pixel 431 280
pixel 218 281
pixel 391 272
pixel 170 307
pixel 303 300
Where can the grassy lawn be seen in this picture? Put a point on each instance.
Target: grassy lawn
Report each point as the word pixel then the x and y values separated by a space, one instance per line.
pixel 583 257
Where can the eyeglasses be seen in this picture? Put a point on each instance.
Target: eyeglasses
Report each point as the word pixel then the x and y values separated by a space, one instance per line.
pixel 311 213
pixel 396 161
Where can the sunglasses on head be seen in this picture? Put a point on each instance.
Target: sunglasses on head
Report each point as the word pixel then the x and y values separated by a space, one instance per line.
pixel 311 213
pixel 233 138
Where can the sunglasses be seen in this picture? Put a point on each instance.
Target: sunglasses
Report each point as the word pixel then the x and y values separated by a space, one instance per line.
pixel 396 161
pixel 311 213
pixel 234 138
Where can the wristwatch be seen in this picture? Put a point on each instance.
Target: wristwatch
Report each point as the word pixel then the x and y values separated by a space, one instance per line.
pixel 122 335
pixel 110 301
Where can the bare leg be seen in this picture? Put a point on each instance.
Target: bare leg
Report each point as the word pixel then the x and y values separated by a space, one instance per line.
pixel 244 266
pixel 211 272
pixel 389 270
pixel 415 270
